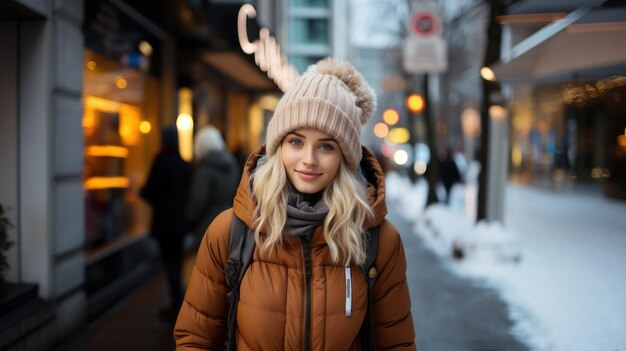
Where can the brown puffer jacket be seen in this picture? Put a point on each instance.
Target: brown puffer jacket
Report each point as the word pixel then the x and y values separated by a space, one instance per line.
pixel 272 305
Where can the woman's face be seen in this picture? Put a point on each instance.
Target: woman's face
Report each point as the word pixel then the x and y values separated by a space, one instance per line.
pixel 311 159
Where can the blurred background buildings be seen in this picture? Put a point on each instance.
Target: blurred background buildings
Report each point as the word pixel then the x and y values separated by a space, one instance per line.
pixel 87 87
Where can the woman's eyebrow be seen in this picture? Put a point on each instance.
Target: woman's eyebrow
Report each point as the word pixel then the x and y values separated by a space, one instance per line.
pixel 318 140
pixel 297 134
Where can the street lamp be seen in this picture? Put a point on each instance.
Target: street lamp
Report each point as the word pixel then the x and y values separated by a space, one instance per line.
pixel 415 104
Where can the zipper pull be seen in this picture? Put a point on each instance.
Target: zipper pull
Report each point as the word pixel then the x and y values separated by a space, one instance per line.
pixel 348 291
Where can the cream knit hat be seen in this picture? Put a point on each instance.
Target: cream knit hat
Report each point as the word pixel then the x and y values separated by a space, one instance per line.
pixel 331 96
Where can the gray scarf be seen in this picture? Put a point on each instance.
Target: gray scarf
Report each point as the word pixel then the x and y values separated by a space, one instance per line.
pixel 304 212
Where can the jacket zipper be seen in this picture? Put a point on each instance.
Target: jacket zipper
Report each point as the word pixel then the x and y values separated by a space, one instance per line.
pixel 307 291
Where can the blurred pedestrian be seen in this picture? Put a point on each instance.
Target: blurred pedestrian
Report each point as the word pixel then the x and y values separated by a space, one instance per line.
pixel 214 180
pixel 450 174
pixel 166 191
pixel 309 197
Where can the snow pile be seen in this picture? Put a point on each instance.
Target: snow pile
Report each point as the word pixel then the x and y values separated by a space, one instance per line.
pixel 490 242
pixel 410 199
pixel 452 232
pixel 558 263
pixel 440 227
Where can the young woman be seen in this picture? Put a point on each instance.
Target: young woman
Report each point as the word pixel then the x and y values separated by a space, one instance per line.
pixel 309 197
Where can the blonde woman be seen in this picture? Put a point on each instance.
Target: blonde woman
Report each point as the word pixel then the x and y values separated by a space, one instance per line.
pixel 309 196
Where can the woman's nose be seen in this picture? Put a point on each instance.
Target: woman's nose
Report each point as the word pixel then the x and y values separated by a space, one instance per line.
pixel 310 156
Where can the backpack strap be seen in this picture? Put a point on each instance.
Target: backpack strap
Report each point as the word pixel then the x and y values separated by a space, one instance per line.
pixel 240 248
pixel 371 273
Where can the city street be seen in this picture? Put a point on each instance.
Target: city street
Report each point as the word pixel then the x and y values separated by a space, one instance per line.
pixel 126 126
pixel 449 312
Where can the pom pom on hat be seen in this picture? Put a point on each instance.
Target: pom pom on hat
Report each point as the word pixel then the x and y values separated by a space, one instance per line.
pixel 366 98
pixel 331 96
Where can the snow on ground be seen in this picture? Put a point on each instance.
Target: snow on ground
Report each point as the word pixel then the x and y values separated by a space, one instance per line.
pixel 558 260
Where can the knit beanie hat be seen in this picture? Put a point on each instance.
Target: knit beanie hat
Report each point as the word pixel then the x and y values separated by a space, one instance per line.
pixel 331 96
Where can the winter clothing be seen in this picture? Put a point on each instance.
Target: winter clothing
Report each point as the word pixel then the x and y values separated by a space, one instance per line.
pixel 273 302
pixel 166 191
pixel 208 138
pixel 213 186
pixel 331 96
pixel 449 173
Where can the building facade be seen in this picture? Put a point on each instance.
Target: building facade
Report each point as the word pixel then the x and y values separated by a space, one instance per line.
pixel 87 88
pixel 41 175
pixel 314 29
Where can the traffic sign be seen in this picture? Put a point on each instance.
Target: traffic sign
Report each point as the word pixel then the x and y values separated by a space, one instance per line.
pixel 424 23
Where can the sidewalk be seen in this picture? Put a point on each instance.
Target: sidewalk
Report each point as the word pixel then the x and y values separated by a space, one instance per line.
pixel 133 324
pixel 451 312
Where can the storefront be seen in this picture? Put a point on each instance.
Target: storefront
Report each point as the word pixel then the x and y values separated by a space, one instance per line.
pixel 237 77
pixel 570 135
pixel 125 84
pixel 567 88
pixel 123 114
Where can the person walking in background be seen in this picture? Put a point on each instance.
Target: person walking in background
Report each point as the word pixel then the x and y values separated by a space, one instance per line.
pixel 450 174
pixel 313 198
pixel 166 191
pixel 214 180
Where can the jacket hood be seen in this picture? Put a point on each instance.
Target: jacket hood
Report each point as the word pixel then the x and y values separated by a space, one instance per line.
pixel 219 160
pixel 244 205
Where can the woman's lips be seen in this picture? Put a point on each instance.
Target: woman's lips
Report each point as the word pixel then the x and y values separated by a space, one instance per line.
pixel 308 175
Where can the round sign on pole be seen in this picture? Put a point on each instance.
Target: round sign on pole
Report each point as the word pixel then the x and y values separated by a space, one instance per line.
pixel 424 23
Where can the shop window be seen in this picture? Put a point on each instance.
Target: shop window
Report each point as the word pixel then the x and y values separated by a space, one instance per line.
pixel 309 31
pixel 310 3
pixel 121 136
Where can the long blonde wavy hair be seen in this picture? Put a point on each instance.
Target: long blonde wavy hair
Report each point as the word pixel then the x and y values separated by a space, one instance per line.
pixel 345 198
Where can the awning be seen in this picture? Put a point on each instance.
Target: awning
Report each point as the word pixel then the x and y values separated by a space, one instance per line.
pixel 234 66
pixel 593 40
pixel 218 48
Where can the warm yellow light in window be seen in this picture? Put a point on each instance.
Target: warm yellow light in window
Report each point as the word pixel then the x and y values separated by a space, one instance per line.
pixel 145 127
pixel 106 150
pixel 399 135
pixel 391 117
pixel 381 130
pixel 102 104
pixel 145 48
pixel 268 102
pixel 106 183
pixel 487 74
pixel 516 155
pixel 184 123
pixel 185 101
pixel 130 117
pixel 89 118
pixel 255 122
pixel 91 65
pixel 121 83
pixel 400 157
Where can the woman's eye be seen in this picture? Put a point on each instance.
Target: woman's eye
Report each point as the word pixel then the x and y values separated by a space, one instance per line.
pixel 295 142
pixel 327 147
